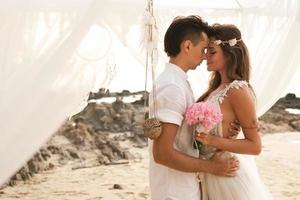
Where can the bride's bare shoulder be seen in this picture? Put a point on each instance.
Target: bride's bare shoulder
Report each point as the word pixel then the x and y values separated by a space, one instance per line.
pixel 240 94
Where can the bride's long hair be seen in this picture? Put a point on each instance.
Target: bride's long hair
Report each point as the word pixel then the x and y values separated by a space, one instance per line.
pixel 237 56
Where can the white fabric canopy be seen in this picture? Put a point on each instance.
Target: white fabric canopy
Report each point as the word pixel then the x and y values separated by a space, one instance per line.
pixel 54 52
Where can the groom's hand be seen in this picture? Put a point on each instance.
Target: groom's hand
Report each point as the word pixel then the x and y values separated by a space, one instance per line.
pixel 224 167
pixel 234 129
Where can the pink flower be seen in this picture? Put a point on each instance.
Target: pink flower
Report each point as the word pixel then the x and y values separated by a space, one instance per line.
pixel 203 113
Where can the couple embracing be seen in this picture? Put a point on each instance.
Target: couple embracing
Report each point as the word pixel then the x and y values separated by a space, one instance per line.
pixel 217 169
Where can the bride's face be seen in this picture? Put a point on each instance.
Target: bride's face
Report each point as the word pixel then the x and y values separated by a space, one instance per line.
pixel 216 61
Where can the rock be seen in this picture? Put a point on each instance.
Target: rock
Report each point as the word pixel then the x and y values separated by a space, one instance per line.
pixel 140 145
pixel 125 93
pixel 112 112
pixel 78 135
pixel 295 124
pixel 38 157
pixel 115 127
pixel 107 151
pixel 12 182
pixel 18 177
pixel 290 96
pixel 117 186
pixel 45 154
pixel 127 155
pixel 54 149
pixel 73 154
pixel 102 92
pixel 100 111
pixel 277 119
pixel 115 117
pixel 65 155
pixel 25 172
pixel 138 118
pixel 50 166
pixel 34 166
pixel 117 150
pixel 118 105
pixel 100 141
pixel 103 159
pixel 125 120
pixel 275 128
pixel 137 129
pixel 105 122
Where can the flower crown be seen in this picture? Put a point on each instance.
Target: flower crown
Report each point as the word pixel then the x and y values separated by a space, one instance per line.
pixel 231 42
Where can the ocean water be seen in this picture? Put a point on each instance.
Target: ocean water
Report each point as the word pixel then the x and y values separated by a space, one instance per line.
pixel 293 111
pixel 128 99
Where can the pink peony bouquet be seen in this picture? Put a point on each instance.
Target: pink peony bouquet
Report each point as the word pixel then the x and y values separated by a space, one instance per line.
pixel 203 114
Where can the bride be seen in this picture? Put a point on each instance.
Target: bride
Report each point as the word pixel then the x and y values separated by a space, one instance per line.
pixel 230 91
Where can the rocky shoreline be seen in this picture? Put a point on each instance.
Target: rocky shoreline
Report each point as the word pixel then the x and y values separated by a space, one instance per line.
pixel 95 133
pixel 278 119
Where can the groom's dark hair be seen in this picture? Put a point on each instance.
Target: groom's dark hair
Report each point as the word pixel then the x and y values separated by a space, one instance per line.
pixel 184 28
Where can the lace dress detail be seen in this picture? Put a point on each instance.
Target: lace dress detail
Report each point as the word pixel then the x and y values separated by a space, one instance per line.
pixel 219 94
pixel 247 185
pixel 216 98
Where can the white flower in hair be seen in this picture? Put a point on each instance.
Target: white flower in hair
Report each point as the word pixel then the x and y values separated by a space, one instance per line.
pixel 217 42
pixel 232 42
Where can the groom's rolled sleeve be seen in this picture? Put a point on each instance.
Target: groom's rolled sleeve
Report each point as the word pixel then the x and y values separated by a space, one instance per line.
pixel 171 105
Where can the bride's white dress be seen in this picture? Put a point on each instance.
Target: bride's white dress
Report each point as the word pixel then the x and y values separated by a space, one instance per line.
pixel 247 185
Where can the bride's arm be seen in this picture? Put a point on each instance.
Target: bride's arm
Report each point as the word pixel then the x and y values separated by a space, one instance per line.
pixel 244 108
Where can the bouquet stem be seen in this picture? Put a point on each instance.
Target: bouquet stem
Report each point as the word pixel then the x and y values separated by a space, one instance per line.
pixel 197 145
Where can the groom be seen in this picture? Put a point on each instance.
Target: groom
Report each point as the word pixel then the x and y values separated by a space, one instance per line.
pixel 173 161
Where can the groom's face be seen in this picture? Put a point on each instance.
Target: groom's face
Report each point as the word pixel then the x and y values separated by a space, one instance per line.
pixel 197 52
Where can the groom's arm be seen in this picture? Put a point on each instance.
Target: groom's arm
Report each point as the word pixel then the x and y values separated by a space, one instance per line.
pixel 164 153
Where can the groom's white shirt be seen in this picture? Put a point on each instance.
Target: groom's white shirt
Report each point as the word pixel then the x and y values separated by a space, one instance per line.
pixel 174 96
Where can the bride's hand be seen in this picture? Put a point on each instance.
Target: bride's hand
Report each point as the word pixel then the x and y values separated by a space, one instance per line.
pixel 204 138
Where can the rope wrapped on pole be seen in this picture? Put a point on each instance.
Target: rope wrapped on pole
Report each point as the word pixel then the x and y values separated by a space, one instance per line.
pixel 152 126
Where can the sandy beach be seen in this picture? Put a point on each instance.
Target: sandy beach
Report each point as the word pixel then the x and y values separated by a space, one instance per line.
pixel 278 164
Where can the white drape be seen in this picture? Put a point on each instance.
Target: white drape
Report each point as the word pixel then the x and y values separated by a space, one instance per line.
pixel 42 80
pixel 54 52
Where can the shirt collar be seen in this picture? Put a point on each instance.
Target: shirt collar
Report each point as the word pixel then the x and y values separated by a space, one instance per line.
pixel 177 70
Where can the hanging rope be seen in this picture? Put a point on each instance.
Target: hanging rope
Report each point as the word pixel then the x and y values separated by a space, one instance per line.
pixel 152 126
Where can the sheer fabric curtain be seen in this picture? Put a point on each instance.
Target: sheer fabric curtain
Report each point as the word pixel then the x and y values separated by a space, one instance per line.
pixel 42 80
pixel 274 48
pixel 269 29
pixel 54 52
